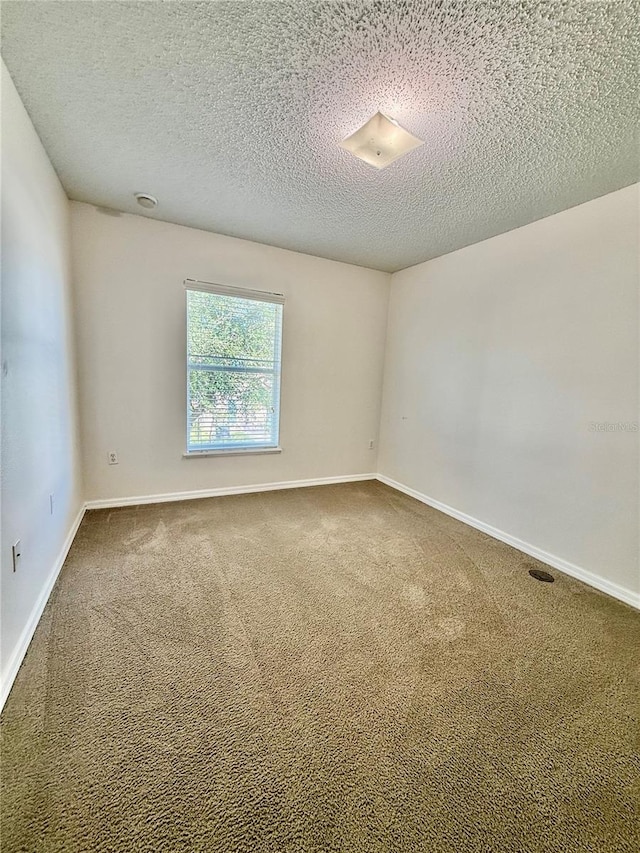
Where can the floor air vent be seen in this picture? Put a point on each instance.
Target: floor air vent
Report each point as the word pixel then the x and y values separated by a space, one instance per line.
pixel 539 575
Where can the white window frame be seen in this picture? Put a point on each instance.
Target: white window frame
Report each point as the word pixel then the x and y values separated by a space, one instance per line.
pixel 191 284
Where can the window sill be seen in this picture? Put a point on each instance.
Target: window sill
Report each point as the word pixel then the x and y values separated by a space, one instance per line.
pixel 241 451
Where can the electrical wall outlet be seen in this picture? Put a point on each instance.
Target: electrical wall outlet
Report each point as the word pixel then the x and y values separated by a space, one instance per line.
pixel 113 457
pixel 16 553
pixel 371 444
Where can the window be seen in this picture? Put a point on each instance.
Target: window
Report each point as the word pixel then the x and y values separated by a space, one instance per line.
pixel 234 340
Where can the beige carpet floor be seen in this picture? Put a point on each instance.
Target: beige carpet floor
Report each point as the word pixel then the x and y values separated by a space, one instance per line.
pixel 328 669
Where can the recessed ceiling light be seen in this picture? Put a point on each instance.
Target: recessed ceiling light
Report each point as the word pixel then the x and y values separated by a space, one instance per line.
pixel 146 200
pixel 381 141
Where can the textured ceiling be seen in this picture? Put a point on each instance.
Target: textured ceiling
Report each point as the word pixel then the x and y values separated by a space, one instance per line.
pixel 231 113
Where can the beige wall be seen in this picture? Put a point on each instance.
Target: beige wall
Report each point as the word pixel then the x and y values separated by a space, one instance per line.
pixel 129 273
pixel 40 454
pixel 499 358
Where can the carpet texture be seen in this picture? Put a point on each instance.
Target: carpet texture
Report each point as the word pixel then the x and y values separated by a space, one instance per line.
pixel 327 669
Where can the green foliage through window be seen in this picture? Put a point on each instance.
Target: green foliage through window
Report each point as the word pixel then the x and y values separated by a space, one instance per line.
pixel 233 367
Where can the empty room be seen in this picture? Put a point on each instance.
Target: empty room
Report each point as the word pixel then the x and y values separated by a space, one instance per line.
pixel 320 426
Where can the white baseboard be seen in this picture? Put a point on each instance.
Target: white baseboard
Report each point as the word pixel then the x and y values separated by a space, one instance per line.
pixel 22 645
pixel 228 490
pixel 612 589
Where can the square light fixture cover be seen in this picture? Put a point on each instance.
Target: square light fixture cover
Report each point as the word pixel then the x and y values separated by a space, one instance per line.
pixel 380 141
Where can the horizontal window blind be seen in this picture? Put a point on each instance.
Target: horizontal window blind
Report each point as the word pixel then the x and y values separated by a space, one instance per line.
pixel 234 340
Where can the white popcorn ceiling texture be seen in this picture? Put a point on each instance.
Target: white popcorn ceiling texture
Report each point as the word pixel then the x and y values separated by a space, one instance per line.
pixel 231 114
